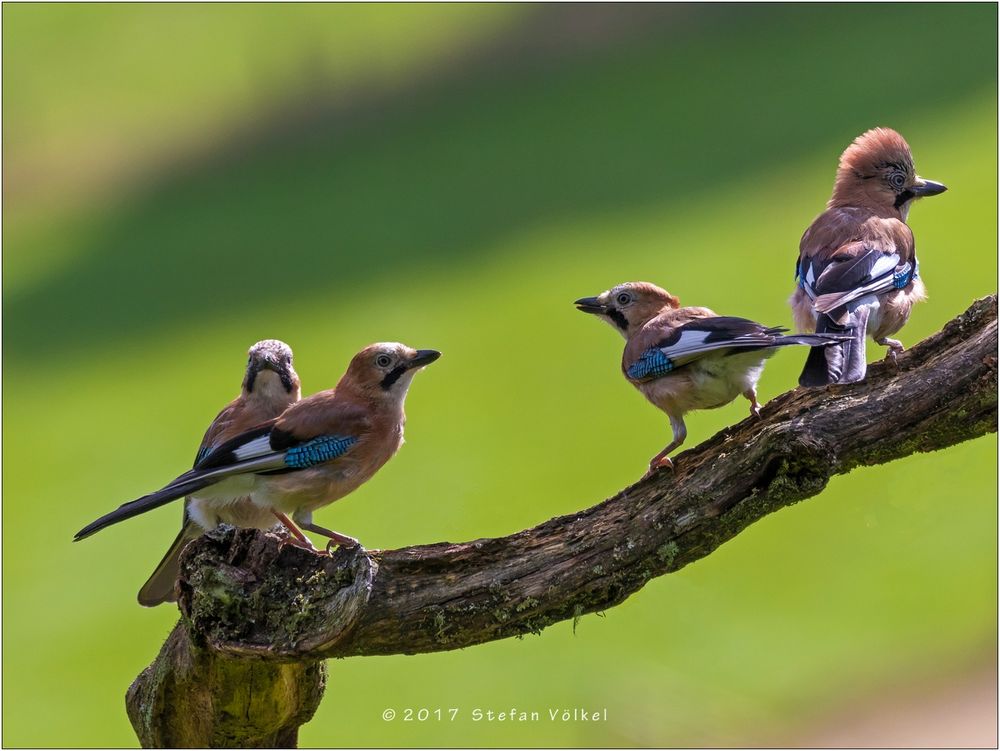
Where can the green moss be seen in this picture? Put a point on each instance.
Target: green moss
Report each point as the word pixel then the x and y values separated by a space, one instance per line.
pixel 667 553
pixel 537 625
pixel 440 626
pixel 526 604
pixel 577 615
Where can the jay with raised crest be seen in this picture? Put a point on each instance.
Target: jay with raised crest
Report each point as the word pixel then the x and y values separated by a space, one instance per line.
pixel 857 269
pixel 270 385
pixel 684 359
pixel 317 451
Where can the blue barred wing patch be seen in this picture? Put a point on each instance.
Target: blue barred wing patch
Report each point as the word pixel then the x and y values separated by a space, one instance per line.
pixel 318 450
pixel 652 364
pixel 904 276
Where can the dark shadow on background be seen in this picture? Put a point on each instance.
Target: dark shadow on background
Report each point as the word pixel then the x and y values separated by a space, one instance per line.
pixel 442 170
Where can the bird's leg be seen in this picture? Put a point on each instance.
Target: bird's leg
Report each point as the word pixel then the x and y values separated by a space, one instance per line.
pixel 662 459
pixel 751 395
pixel 895 348
pixel 334 538
pixel 297 537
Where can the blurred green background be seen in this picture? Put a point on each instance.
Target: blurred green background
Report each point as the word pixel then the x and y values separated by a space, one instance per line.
pixel 183 180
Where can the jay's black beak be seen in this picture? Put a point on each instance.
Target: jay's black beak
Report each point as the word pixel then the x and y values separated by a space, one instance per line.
pixel 923 188
pixel 590 305
pixel 272 364
pixel 268 363
pixel 424 357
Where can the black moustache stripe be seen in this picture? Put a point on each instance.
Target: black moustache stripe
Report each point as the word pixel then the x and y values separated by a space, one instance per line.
pixel 619 318
pixel 903 197
pixel 284 375
pixel 392 376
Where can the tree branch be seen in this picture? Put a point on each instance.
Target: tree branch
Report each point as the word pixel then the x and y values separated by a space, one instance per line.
pixel 242 595
pixel 191 697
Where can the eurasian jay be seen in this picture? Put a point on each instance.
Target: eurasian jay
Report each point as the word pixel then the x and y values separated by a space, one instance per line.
pixel 270 385
pixel 316 452
pixel 683 359
pixel 857 269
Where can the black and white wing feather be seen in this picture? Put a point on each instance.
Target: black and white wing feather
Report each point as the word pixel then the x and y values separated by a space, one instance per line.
pixel 840 280
pixel 719 334
pixel 262 450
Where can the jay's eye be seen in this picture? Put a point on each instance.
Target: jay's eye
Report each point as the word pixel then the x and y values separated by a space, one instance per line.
pixel 623 298
pixel 897 180
pixel 383 361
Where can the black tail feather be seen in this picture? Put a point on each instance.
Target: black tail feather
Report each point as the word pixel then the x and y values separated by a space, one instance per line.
pixel 857 364
pixel 843 362
pixel 816 341
pixel 817 371
pixel 172 492
pixel 159 587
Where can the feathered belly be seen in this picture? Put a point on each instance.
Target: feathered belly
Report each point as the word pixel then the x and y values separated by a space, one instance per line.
pixel 894 309
pixel 228 491
pixel 239 512
pixel 708 383
pixel 313 488
pixel 229 502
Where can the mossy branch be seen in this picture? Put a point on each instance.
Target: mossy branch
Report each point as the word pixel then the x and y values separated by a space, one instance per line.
pixel 249 603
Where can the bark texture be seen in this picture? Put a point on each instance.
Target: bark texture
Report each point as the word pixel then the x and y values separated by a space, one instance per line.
pixel 193 697
pixel 255 611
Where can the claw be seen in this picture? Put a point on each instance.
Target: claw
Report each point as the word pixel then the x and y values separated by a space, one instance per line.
pixel 658 463
pixel 343 542
pixel 895 348
pixel 306 545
